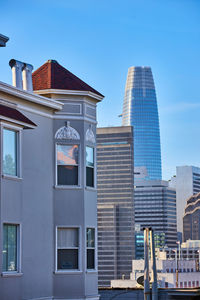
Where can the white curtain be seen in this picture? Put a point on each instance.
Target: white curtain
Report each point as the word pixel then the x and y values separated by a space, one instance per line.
pixel 67 237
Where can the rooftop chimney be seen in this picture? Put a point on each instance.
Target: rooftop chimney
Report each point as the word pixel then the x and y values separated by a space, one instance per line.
pixel 27 77
pixel 17 68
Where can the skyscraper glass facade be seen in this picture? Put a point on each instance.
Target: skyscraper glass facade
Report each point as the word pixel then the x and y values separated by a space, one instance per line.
pixel 140 110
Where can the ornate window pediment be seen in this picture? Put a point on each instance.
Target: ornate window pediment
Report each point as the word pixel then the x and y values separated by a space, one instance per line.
pixel 90 137
pixel 67 133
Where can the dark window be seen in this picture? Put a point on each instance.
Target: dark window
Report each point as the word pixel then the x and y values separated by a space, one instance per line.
pixel 90 166
pixel 9 247
pixel 67 164
pixel 90 248
pixel 67 248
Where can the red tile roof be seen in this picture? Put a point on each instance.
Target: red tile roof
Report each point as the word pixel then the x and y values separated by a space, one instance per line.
pixel 12 113
pixel 51 75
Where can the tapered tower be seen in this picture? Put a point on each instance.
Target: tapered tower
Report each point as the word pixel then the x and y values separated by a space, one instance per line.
pixel 140 110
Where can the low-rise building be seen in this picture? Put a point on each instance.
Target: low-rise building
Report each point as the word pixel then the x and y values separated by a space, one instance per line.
pixel 48 193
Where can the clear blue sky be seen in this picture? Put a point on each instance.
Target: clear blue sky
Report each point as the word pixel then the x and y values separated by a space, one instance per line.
pixel 98 40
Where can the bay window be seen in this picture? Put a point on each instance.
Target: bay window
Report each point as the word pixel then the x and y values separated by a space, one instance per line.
pixel 90 166
pixel 67 248
pixel 67 164
pixel 90 248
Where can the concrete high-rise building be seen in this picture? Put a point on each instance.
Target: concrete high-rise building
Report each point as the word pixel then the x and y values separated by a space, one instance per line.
pixel 187 183
pixel 155 206
pixel 140 111
pixel 191 219
pixel 115 202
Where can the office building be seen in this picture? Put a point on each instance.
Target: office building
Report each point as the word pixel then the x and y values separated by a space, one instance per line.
pixel 187 183
pixel 140 111
pixel 115 202
pixel 48 197
pixel 155 206
pixel 191 219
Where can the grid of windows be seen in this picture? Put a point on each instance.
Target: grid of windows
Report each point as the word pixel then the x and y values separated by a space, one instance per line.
pixel 115 203
pixel 140 110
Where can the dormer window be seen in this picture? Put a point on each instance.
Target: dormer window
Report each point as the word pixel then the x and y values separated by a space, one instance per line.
pixel 67 164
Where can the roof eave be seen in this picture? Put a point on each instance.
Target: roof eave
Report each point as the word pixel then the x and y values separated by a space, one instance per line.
pixel 53 104
pixel 20 123
pixel 97 97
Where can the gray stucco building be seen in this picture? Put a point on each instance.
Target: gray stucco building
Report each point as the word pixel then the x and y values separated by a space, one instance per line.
pixel 48 195
pixel 115 202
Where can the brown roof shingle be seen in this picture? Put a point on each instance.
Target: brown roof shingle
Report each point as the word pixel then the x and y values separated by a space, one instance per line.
pixel 51 75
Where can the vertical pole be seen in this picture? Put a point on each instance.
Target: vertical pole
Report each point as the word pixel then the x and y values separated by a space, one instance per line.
pixel 146 265
pixel 154 271
pixel 176 269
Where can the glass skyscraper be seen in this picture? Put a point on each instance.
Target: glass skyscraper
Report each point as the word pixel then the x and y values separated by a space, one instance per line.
pixel 140 110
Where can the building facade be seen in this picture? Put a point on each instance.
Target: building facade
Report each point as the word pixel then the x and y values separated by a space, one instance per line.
pixel 155 206
pixel 187 183
pixel 48 198
pixel 191 219
pixel 188 275
pixel 140 111
pixel 115 202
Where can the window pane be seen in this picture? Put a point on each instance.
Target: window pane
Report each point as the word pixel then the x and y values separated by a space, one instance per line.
pixel 9 152
pixel 89 157
pixel 90 259
pixel 67 237
pixel 89 176
pixel 67 175
pixel 9 248
pixel 90 237
pixel 67 154
pixel 67 259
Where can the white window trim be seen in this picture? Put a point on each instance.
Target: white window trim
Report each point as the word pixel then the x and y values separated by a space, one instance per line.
pixel 66 271
pixel 18 272
pixel 95 270
pixel 68 143
pixel 95 169
pixel 18 129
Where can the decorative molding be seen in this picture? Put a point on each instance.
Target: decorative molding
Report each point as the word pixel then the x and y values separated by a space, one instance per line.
pixel 67 133
pixel 90 111
pixel 90 137
pixel 70 92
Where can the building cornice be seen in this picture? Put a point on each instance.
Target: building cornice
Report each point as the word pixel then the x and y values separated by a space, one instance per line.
pixel 70 92
pixel 37 99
